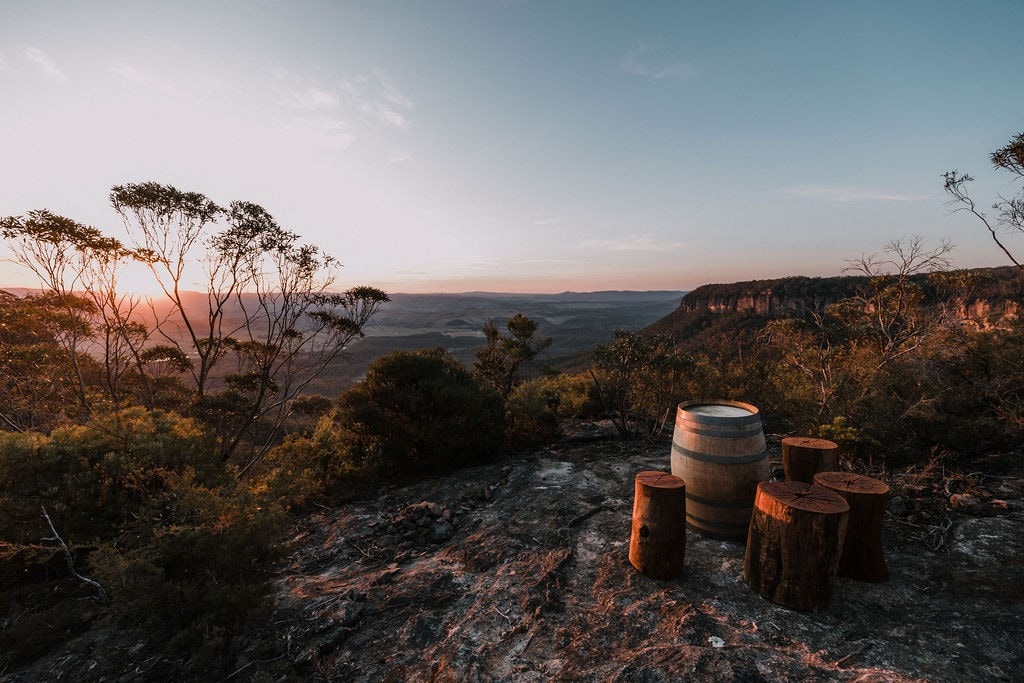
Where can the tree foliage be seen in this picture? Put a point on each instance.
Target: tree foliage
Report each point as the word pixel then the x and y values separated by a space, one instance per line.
pixel 1009 211
pixel 498 362
pixel 270 323
pixel 635 376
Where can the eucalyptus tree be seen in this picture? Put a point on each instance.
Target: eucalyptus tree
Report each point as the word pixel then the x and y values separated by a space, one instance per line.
pixel 77 268
pixel 1009 215
pixel 269 306
pixel 498 361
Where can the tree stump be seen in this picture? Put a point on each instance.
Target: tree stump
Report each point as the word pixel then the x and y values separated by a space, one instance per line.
pixel 803 457
pixel 863 557
pixel 658 541
pixel 795 540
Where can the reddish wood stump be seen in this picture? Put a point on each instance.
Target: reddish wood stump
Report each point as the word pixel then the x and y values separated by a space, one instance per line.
pixel 658 541
pixel 795 540
pixel 803 457
pixel 863 557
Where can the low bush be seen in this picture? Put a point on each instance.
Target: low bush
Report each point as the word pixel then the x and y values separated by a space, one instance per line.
pixel 531 414
pixel 415 413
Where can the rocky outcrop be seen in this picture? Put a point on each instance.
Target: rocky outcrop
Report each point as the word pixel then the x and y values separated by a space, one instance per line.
pixel 792 296
pixel 519 571
pixel 994 298
pixel 534 584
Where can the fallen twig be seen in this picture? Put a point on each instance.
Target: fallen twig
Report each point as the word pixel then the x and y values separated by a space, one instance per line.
pixel 361 551
pixel 507 617
pixel 863 647
pixel 70 558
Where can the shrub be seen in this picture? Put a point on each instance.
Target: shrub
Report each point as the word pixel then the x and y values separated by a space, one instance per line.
pixel 531 414
pixel 94 477
pixel 578 396
pixel 416 412
pixel 637 377
pixel 421 411
pixel 198 574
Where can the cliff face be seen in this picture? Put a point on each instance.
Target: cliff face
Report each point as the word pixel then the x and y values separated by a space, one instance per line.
pixel 995 295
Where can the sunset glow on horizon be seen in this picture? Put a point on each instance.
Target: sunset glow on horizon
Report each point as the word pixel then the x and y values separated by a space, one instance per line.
pixel 528 147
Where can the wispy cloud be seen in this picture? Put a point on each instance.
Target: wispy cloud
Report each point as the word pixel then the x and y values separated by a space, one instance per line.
pixel 635 242
pixel 323 131
pixel 390 92
pixel 555 220
pixel 378 97
pixel 397 156
pixel 374 97
pixel 40 60
pixel 311 98
pixel 142 78
pixel 845 193
pixel 644 62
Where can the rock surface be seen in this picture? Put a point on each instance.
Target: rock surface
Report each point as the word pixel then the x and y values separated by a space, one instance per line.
pixel 519 571
pixel 533 583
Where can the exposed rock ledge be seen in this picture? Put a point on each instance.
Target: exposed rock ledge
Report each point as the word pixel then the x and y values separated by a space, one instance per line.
pixel 519 572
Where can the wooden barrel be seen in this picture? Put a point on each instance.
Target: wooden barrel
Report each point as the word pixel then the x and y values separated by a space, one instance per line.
pixel 718 449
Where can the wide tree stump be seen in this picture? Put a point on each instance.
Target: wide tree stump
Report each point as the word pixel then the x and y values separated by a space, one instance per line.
pixel 658 541
pixel 863 557
pixel 803 457
pixel 794 543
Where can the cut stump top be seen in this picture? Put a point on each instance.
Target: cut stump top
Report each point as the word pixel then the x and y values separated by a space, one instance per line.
pixel 810 442
pixel 660 480
pixel 850 482
pixel 807 497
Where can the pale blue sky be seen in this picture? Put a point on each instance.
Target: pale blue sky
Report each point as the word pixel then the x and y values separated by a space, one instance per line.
pixel 525 146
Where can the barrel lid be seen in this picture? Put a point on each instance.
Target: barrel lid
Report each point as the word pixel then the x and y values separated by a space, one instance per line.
pixel 718 410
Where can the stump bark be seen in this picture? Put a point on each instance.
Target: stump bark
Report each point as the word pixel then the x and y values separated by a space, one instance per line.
pixel 803 457
pixel 657 544
pixel 794 543
pixel 863 557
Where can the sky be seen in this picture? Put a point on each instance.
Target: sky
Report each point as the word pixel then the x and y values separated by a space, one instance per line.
pixel 525 146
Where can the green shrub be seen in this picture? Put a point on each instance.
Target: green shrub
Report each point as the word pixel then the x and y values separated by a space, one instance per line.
pixel 415 412
pixel 419 411
pixel 531 414
pixel 577 394
pixel 93 477
pixel 203 570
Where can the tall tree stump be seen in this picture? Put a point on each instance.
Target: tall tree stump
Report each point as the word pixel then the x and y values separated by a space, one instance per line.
pixel 863 557
pixel 794 543
pixel 803 457
pixel 658 541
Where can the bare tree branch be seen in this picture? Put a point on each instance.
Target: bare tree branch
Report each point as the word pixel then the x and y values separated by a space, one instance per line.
pixel 71 559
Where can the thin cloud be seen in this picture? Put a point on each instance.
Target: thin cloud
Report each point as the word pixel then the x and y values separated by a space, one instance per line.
pixel 636 242
pixel 311 98
pixel 636 63
pixel 323 131
pixel 548 262
pixel 385 115
pixel 144 79
pixel 390 92
pixel 397 156
pixel 845 193
pixel 375 97
pixel 556 220
pixel 42 61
